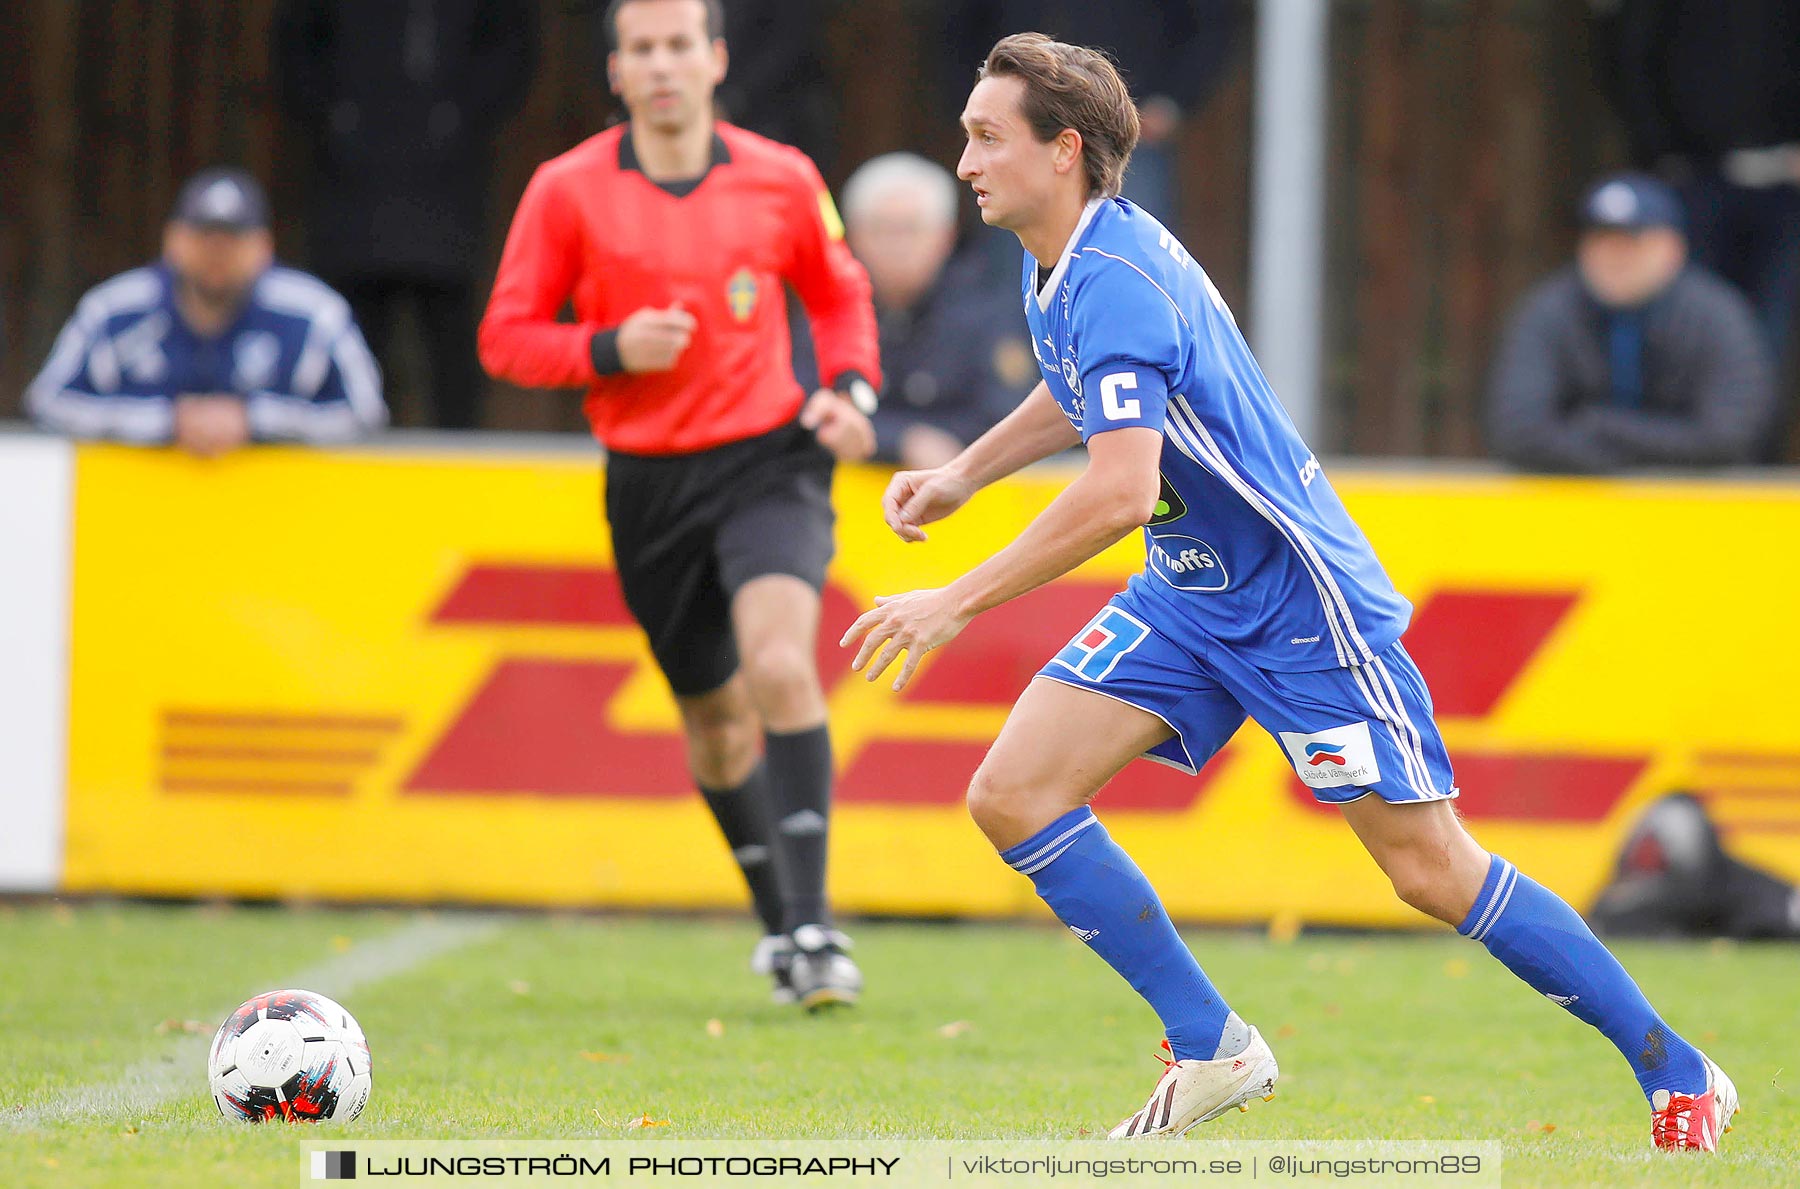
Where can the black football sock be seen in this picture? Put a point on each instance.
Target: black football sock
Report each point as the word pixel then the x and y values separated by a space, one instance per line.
pixel 800 791
pixel 745 818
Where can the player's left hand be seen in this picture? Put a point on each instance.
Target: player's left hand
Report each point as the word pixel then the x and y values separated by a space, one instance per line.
pixel 838 425
pixel 913 623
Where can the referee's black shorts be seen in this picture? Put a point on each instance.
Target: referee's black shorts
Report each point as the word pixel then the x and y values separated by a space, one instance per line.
pixel 689 530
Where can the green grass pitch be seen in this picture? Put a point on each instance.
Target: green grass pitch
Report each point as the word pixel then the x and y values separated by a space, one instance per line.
pixel 567 1026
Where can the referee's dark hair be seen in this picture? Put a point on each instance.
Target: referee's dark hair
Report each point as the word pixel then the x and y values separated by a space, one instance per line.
pixel 715 20
pixel 1071 86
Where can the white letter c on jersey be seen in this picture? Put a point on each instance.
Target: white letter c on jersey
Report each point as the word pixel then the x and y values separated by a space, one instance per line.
pixel 1116 409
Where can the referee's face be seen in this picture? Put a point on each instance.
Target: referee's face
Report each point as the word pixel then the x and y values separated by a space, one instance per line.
pixel 666 67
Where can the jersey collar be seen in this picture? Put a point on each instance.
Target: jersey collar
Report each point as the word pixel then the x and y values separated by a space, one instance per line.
pixel 1062 264
pixel 628 161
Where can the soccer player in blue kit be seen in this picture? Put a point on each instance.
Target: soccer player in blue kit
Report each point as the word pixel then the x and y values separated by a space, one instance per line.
pixel 1260 597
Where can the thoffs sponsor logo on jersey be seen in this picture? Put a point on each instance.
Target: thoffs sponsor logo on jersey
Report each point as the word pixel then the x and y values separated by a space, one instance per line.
pixel 1334 758
pixel 1187 563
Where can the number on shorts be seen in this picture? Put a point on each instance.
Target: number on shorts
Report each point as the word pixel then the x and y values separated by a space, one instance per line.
pixel 1097 647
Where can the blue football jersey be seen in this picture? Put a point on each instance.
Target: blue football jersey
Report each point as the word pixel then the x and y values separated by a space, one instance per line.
pixel 1249 541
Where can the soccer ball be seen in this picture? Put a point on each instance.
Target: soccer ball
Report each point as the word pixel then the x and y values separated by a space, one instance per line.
pixel 289 1055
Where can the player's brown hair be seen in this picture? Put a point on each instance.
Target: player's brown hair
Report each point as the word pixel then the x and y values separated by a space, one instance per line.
pixel 715 20
pixel 1071 86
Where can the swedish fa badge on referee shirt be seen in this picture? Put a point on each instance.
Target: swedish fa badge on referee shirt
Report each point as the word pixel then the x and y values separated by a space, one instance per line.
pixel 740 294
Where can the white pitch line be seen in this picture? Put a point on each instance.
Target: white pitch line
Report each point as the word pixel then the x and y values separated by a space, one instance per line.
pixel 180 1068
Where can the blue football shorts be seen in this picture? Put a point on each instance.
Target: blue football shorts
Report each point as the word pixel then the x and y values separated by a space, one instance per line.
pixel 1348 732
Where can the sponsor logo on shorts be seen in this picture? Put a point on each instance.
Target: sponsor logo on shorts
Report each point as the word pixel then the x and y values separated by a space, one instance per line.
pixel 1325 753
pixel 1335 757
pixel 1187 563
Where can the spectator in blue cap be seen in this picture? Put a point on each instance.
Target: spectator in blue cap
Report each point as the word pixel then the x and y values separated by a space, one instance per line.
pixel 1631 357
pixel 214 346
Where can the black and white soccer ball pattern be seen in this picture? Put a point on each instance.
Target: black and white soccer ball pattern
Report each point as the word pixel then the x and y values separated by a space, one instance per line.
pixel 290 1055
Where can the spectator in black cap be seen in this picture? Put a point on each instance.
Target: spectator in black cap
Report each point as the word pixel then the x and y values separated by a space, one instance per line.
pixel 1631 357
pixel 214 346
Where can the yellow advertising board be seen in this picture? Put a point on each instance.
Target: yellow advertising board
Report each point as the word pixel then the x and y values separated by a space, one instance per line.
pixel 412 677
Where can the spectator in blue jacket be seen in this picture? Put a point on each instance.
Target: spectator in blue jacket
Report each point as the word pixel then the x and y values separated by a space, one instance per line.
pixel 213 347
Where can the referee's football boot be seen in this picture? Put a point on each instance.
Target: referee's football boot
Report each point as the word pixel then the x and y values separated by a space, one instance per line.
pixel 821 973
pixel 1191 1092
pixel 774 957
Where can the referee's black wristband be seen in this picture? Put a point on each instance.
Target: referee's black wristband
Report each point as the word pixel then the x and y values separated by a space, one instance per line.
pixel 854 387
pixel 603 349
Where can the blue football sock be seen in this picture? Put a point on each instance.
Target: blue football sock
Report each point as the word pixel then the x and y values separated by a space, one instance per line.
pixel 1545 942
pixel 1095 889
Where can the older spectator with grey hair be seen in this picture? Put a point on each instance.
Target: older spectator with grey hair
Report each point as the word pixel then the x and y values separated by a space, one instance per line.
pixel 1632 357
pixel 953 347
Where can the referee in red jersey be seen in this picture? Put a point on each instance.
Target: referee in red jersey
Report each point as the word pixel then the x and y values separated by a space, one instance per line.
pixel 671 236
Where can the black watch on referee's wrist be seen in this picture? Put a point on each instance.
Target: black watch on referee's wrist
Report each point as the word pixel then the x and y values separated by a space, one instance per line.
pixel 858 391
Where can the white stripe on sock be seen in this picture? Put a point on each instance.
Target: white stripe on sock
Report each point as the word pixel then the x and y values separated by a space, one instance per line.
pixel 1487 906
pixel 1020 864
pixel 1047 860
pixel 1501 887
pixel 1500 909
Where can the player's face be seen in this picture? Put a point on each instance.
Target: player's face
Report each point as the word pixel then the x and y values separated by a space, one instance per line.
pixel 1013 174
pixel 901 243
pixel 1624 269
pixel 217 264
pixel 666 67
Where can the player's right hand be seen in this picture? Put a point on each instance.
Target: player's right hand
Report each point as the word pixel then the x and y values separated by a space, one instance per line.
pixel 915 498
pixel 652 339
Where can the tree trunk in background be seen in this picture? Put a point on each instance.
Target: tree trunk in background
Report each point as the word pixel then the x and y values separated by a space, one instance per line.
pixel 1387 322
